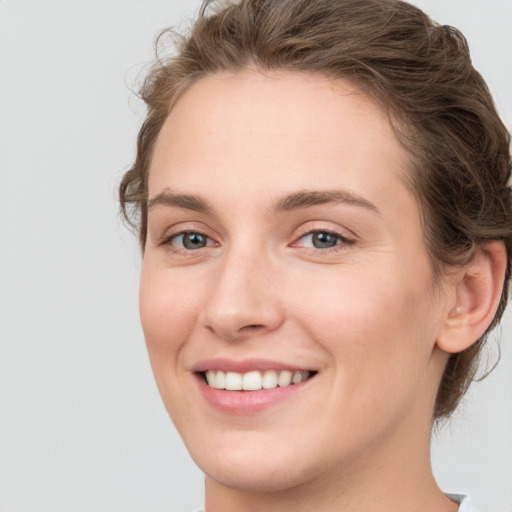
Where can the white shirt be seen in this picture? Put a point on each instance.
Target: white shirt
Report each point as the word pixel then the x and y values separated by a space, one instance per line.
pixel 465 502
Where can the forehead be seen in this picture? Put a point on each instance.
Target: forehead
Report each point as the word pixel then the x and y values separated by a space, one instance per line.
pixel 274 129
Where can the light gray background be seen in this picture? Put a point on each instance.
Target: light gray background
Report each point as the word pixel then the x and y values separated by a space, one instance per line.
pixel 81 425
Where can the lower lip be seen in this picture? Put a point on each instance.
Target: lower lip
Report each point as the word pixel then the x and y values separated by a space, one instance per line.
pixel 247 402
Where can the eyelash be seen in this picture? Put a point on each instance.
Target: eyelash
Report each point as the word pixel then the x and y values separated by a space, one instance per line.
pixel 343 241
pixel 169 239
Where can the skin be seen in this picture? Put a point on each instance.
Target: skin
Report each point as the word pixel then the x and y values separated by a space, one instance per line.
pixel 366 313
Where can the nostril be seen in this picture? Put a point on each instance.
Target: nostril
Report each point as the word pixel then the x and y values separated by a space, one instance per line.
pixel 250 328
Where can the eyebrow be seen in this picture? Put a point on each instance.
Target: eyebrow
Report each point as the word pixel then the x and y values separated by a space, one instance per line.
pixel 185 201
pixel 289 202
pixel 308 198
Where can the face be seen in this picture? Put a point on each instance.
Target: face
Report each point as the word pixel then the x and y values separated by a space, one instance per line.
pixel 283 244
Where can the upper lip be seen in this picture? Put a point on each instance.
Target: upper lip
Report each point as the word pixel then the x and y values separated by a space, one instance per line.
pixel 245 365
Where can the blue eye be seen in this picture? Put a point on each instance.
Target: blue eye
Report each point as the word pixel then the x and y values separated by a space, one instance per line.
pixel 323 240
pixel 189 240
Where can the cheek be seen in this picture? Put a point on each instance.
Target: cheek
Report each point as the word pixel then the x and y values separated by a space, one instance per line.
pixel 168 311
pixel 377 331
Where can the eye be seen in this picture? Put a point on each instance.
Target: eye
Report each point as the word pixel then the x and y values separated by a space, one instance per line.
pixel 322 239
pixel 188 240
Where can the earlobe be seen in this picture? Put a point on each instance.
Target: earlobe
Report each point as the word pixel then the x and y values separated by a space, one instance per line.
pixel 476 295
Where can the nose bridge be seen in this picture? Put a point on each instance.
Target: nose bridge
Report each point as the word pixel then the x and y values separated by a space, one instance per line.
pixel 243 298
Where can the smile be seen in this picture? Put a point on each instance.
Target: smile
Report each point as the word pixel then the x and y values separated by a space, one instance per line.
pixel 254 380
pixel 250 386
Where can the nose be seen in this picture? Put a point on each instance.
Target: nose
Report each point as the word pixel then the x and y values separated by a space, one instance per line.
pixel 244 299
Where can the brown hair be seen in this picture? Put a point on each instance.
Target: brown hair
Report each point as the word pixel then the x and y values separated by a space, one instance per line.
pixel 419 71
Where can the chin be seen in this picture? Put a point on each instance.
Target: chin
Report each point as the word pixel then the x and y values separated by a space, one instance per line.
pixel 251 479
pixel 258 467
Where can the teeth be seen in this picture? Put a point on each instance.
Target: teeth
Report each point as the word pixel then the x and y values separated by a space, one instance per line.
pixel 255 380
pixel 233 381
pixel 220 380
pixel 299 377
pixel 284 379
pixel 211 378
pixel 252 381
pixel 269 380
pixel 216 379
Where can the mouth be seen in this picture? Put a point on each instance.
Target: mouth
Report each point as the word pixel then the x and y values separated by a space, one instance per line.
pixel 251 386
pixel 254 380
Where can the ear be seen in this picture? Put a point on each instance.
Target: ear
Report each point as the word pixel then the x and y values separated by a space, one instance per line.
pixel 474 297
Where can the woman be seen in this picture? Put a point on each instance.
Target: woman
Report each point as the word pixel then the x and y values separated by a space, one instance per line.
pixel 321 191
